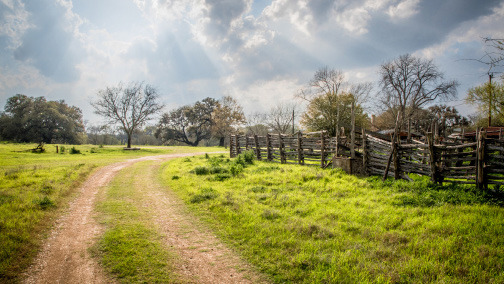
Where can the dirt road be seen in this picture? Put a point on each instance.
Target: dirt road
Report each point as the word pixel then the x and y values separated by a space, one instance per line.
pixel 65 258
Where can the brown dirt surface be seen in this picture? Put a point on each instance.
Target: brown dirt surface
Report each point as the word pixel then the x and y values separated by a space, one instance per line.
pixel 65 257
pixel 204 258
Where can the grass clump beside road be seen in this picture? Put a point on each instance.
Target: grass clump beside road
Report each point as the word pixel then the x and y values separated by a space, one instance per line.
pixel 309 225
pixel 34 187
pixel 131 248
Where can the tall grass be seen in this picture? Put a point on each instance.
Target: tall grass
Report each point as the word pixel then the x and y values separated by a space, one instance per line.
pixel 308 225
pixel 34 187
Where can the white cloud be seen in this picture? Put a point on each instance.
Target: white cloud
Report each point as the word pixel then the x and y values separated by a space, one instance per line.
pixel 354 20
pixel 14 22
pixel 403 9
pixel 261 95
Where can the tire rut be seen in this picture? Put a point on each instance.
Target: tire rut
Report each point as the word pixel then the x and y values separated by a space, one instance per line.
pixel 205 259
pixel 64 256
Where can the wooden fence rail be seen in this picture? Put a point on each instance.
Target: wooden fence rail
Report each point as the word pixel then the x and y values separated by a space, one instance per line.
pixel 480 163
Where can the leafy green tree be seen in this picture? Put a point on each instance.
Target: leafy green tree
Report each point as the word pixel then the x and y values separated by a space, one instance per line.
pixel 29 119
pixel 322 113
pixel 331 100
pixel 489 98
pixel 227 116
pixel 188 124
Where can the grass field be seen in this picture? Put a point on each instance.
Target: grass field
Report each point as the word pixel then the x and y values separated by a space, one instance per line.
pixel 35 187
pixel 308 225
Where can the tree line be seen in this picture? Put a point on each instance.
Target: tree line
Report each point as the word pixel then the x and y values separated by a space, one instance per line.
pixel 410 89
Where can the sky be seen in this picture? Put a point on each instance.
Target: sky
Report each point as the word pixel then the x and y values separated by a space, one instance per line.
pixel 260 52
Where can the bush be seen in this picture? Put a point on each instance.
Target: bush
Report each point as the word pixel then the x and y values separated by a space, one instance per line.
pixel 215 161
pixel 62 149
pixel 46 203
pixel 221 177
pixel 201 171
pixel 248 157
pixel 204 194
pixel 218 170
pixel 236 169
pixel 74 150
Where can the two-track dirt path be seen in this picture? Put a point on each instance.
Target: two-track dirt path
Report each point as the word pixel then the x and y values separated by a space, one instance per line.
pixel 65 258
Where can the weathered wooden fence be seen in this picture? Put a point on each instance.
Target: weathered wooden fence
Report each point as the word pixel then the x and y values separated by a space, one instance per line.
pixel 315 148
pixel 480 162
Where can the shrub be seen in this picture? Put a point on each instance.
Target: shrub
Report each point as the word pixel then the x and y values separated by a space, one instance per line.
pixel 201 170
pixel 236 169
pixel 221 177
pixel 218 170
pixel 62 149
pixel 204 194
pixel 215 161
pixel 74 150
pixel 248 157
pixel 175 177
pixel 46 203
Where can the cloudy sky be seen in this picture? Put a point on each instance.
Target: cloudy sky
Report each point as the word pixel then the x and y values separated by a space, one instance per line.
pixel 261 52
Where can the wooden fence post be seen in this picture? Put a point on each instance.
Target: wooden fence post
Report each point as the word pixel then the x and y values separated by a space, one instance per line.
pixel 257 147
pixel 322 149
pixel 238 150
pixel 231 146
pixel 432 157
pixel 281 149
pixel 352 130
pixel 364 152
pixel 396 157
pixel 300 148
pixel 268 148
pixel 481 181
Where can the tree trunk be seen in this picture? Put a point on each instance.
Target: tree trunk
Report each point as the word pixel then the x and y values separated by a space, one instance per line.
pixel 129 141
pixel 221 141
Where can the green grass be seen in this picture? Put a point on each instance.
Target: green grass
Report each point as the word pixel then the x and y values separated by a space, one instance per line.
pixel 308 225
pixel 131 247
pixel 34 187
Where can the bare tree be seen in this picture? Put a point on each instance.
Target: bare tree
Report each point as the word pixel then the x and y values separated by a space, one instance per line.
pixel 281 117
pixel 256 124
pixel 408 83
pixel 130 107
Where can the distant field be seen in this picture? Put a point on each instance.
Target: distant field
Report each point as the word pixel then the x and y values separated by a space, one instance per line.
pixel 308 225
pixel 34 187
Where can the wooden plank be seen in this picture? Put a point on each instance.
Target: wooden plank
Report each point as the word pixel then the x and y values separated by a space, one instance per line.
pixel 494 170
pixel 466 145
pixel 461 168
pixel 461 177
pixel 413 146
pixel 495 148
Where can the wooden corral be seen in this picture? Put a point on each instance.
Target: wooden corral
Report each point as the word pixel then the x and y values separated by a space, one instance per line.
pixel 480 162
